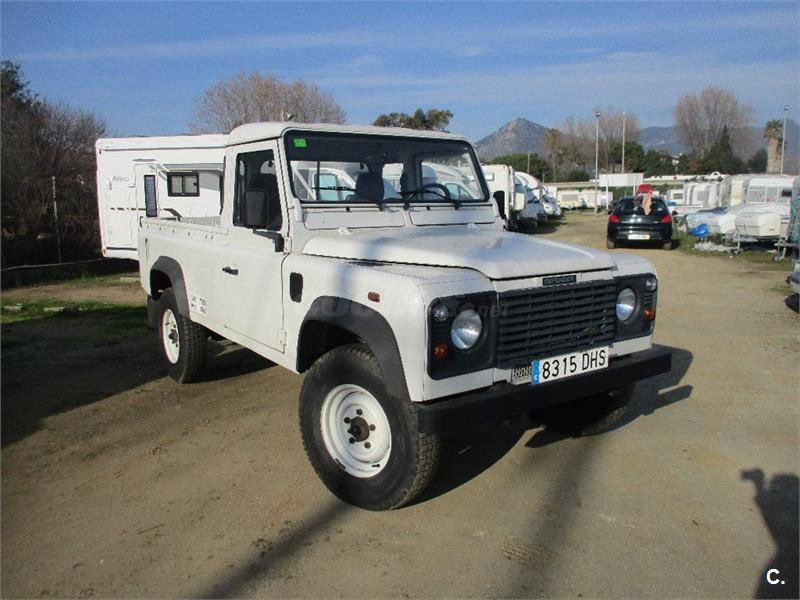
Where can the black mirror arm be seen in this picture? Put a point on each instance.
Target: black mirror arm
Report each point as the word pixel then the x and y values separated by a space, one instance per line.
pixel 276 238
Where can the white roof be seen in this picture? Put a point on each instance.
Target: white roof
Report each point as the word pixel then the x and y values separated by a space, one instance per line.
pixel 253 132
pixel 207 140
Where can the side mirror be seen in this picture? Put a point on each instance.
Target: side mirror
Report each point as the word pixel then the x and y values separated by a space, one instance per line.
pixel 254 211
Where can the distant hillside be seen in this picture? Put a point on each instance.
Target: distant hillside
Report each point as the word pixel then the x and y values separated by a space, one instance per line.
pixel 520 135
pixel 661 138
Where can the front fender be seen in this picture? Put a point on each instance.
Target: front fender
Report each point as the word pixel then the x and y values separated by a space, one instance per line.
pixel 371 327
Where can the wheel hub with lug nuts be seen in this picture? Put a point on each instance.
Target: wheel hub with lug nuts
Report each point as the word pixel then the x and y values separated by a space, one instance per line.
pixel 169 326
pixel 355 430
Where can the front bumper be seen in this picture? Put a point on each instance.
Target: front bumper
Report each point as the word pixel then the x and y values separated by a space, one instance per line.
pixel 502 401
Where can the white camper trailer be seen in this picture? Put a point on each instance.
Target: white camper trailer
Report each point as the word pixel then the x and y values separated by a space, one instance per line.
pixel 775 188
pixel 136 177
pixel 500 178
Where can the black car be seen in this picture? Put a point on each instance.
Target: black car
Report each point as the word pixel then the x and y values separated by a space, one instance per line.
pixel 629 223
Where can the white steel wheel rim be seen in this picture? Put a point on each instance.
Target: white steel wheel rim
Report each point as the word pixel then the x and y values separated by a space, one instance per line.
pixel 170 336
pixel 355 431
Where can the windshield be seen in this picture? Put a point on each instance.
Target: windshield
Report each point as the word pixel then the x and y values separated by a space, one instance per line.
pixel 350 168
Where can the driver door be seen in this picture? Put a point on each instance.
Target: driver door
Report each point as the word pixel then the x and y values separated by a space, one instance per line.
pixel 250 272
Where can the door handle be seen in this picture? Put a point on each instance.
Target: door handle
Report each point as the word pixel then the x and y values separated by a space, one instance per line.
pixel 230 270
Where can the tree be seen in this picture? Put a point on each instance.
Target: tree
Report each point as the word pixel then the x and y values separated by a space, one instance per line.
pixel 720 157
pixel 773 133
pixel 42 141
pixel 433 119
pixel 249 98
pixel 574 146
pixel 519 162
pixel 701 118
pixel 553 143
pixel 758 162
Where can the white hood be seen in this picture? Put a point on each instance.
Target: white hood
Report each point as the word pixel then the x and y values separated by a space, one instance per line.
pixel 496 254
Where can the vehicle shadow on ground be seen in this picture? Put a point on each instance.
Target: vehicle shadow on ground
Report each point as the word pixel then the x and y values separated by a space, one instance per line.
pixel 56 363
pixel 227 360
pixel 780 508
pixel 465 457
pixel 646 400
pixel 551 226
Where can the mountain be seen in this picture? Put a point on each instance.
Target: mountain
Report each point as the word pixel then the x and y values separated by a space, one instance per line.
pixel 519 135
pixel 661 138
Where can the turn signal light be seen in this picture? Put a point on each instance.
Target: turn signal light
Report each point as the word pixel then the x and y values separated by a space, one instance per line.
pixel 440 351
pixel 649 313
pixel 666 219
pixel 613 218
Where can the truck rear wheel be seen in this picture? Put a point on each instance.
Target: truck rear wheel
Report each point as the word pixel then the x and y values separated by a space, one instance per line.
pixel 589 416
pixel 183 342
pixel 363 443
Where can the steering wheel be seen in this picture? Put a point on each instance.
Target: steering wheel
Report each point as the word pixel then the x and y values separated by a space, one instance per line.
pixel 438 189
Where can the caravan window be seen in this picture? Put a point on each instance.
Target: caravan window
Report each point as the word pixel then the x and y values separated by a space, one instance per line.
pixel 183 184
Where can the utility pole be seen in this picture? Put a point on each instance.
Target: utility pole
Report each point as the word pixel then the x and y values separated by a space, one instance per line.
pixel 55 217
pixel 529 158
pixel 783 137
pixel 596 157
pixel 623 142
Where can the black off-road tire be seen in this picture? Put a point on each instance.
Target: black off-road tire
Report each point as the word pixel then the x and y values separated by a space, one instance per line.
pixel 414 455
pixel 589 416
pixel 610 244
pixel 186 362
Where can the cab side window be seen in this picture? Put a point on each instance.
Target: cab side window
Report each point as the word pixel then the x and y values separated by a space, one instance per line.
pixel 256 171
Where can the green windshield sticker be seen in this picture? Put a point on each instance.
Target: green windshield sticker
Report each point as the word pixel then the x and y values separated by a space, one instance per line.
pixel 300 143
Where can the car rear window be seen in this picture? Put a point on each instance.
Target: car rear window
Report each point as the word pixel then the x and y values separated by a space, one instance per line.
pixel 633 206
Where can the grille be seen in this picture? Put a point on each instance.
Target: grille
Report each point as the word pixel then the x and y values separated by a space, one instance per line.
pixel 548 321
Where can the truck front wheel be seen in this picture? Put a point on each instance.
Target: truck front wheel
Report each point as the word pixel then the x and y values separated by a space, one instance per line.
pixel 184 343
pixel 363 443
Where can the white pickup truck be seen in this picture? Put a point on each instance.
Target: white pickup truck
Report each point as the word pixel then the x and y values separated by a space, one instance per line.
pixel 412 313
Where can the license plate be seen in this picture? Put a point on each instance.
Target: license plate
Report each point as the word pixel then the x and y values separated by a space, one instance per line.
pixel 638 236
pixel 568 365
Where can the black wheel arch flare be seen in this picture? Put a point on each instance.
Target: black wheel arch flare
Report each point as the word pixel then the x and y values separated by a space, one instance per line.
pixel 366 324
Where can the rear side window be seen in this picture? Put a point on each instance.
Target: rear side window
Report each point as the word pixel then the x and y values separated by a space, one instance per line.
pixel 183 184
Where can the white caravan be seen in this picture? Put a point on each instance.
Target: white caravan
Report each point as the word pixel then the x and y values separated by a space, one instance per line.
pixel 183 172
pixel 413 315
pixel 549 204
pixel 510 196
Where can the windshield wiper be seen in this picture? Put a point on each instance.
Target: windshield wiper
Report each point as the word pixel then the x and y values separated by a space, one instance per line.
pixel 344 188
pixel 336 188
pixel 409 194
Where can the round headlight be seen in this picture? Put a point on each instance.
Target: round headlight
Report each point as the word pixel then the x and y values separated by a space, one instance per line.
pixel 626 303
pixel 466 330
pixel 650 284
pixel 440 313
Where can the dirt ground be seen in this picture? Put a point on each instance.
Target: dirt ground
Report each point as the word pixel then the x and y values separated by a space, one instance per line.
pixel 118 482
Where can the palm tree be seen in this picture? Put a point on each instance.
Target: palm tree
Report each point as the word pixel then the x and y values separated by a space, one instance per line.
pixel 773 133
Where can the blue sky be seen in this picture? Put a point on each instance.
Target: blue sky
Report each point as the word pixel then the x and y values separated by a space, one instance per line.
pixel 142 65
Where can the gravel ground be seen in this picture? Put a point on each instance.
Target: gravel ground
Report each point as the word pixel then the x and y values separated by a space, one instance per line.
pixel 118 482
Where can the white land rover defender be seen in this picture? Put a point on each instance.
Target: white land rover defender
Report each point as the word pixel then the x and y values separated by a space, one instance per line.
pixel 411 311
